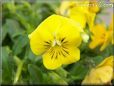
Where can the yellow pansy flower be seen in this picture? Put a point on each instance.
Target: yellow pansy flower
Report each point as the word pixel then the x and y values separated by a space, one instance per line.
pixel 57 39
pixel 101 74
pixel 80 11
pixel 101 36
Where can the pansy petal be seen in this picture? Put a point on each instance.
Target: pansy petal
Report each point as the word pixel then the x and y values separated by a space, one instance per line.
pixel 93 44
pixel 94 6
pixel 70 34
pixel 98 28
pixel 38 41
pixel 108 39
pixel 107 62
pixel 65 6
pixel 50 60
pixel 80 6
pixel 90 19
pixel 105 73
pixel 79 17
pixel 71 55
pixel 105 44
pixel 99 76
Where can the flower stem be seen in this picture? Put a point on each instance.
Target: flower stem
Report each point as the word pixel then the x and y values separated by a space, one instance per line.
pixel 18 72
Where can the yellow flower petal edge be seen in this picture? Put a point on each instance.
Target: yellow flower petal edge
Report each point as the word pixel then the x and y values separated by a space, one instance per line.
pixel 107 61
pixel 94 6
pixel 57 39
pixel 101 74
pixel 100 37
pixel 83 11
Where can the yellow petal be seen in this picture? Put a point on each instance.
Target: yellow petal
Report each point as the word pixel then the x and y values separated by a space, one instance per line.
pixel 80 6
pixel 38 41
pixel 107 62
pixel 100 76
pixel 75 6
pixel 98 30
pixel 107 40
pixel 79 17
pixel 105 44
pixel 71 33
pixel 72 56
pixel 54 58
pixel 94 43
pixel 90 19
pixel 94 6
pixel 51 60
pixel 65 6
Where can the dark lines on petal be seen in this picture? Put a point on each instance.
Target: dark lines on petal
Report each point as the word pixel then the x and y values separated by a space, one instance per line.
pixel 59 52
pixel 52 54
pixel 63 54
pixel 62 39
pixel 65 51
pixel 64 47
pixel 65 42
pixel 56 55
pixel 47 44
pixel 51 51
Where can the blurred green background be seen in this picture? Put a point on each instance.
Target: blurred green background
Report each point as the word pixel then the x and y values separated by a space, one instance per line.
pixel 19 64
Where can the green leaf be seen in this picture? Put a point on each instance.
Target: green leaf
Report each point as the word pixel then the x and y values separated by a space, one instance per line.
pixel 78 70
pixel 31 56
pixel 62 72
pixel 56 79
pixel 20 43
pixel 46 10
pixel 7 65
pixel 98 59
pixel 36 76
pixel 3 33
pixel 13 28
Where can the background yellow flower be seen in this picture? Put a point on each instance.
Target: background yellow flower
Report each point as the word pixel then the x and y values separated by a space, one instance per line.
pixel 81 11
pixel 101 36
pixel 101 74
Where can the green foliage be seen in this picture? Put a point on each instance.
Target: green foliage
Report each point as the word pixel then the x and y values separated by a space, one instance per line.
pixel 19 64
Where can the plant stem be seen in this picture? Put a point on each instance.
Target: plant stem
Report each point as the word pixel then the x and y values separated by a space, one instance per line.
pixel 18 72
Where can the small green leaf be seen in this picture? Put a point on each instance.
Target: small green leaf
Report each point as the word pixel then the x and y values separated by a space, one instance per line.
pixel 13 28
pixel 62 72
pixel 20 43
pixel 36 76
pixel 78 70
pixel 56 79
pixel 98 59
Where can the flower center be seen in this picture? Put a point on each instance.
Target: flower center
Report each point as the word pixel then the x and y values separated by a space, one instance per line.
pixel 57 47
pixel 56 43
